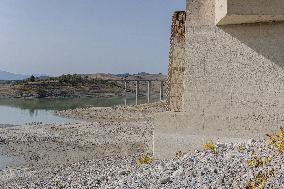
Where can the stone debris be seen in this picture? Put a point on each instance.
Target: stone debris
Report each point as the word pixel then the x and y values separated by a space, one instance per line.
pixel 201 169
pixel 105 155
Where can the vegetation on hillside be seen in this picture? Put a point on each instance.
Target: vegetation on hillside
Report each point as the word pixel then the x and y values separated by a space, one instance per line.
pixel 76 85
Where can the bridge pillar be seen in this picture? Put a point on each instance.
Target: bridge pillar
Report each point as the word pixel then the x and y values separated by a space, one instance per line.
pixel 137 92
pixel 148 92
pixel 161 90
pixel 176 67
pixel 125 93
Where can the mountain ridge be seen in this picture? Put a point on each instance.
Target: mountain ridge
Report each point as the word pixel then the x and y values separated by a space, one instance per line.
pixel 6 76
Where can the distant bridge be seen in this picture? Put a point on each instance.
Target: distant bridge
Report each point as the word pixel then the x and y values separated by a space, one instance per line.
pixel 137 82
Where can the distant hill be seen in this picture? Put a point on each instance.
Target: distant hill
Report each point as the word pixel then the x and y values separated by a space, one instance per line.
pixel 141 75
pixel 79 85
pixel 11 76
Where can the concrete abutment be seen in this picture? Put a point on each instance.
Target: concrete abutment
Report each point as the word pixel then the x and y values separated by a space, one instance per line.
pixel 231 85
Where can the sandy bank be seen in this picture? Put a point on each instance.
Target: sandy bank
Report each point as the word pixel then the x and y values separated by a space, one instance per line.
pixel 108 132
pixel 103 152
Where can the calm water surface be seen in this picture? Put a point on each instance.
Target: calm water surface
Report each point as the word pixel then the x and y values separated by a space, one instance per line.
pixel 22 112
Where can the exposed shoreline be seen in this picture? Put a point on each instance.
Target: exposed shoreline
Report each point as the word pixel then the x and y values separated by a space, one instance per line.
pixel 102 152
pixel 105 133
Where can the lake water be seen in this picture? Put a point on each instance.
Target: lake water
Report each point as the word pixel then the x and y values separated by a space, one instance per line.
pixel 17 116
pixel 22 112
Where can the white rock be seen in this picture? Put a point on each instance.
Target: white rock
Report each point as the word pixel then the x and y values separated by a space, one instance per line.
pixel 178 173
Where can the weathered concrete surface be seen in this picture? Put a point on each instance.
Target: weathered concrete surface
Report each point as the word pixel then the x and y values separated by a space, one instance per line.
pixel 234 74
pixel 248 11
pixel 175 81
pixel 180 132
pixel 234 78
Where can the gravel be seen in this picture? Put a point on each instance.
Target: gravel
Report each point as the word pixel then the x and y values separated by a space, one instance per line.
pixel 228 168
pixel 202 169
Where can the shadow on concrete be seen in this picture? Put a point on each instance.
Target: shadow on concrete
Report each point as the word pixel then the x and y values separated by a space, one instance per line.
pixel 270 39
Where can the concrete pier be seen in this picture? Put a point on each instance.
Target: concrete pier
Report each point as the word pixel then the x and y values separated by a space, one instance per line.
pixel 162 90
pixel 148 92
pixel 128 82
pixel 125 93
pixel 225 75
pixel 137 92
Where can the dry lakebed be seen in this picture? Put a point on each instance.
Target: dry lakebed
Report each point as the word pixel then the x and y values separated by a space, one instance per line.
pixel 112 148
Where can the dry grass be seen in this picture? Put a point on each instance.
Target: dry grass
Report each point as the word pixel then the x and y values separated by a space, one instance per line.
pixel 257 161
pixel 259 181
pixel 210 146
pixel 277 140
pixel 145 160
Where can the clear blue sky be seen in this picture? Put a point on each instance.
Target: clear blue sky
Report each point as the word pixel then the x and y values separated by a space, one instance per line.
pixel 85 36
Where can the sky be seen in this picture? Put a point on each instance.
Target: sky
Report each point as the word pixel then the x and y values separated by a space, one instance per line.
pixel 56 37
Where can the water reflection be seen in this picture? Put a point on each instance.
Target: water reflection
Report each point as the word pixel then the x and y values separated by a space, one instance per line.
pixel 62 104
pixel 33 113
pixel 16 116
pixel 22 112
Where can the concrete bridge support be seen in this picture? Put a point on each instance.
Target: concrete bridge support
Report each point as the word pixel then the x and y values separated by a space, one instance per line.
pixel 137 92
pixel 175 81
pixel 148 91
pixel 232 76
pixel 161 90
pixel 125 93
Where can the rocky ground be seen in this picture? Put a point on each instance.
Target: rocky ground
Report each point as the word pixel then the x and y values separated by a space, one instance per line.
pixel 113 150
pixel 118 114
pixel 118 131
pixel 228 168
